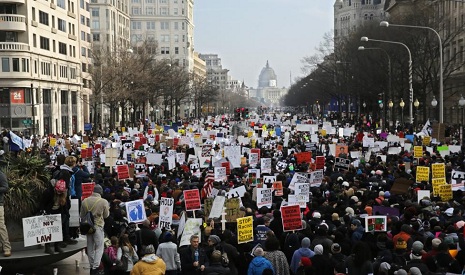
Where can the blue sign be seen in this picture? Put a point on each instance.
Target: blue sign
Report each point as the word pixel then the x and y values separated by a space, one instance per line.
pixel 87 126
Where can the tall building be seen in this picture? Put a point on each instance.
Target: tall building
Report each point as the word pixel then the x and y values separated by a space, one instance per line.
pixel 200 67
pixel 169 23
pixel 216 75
pixel 351 14
pixel 40 50
pixel 268 91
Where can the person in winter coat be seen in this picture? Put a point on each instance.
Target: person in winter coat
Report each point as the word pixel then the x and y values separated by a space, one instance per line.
pixel 81 173
pixel 303 251
pixel 320 261
pixel 215 267
pixel 193 258
pixel 276 257
pixel 357 228
pixel 150 264
pixel 168 251
pixel 126 250
pixel 259 263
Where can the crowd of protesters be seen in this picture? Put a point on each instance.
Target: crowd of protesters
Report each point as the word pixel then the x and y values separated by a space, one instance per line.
pixel 426 237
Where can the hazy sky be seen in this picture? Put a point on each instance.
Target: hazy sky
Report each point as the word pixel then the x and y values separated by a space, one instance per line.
pixel 247 33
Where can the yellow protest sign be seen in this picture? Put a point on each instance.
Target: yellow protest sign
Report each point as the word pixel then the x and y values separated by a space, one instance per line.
pixel 417 151
pixel 249 134
pixel 244 230
pixel 426 140
pixel 445 192
pixel 84 146
pixel 243 161
pixel 438 170
pixel 422 173
pixel 323 132
pixel 436 183
pixel 123 129
pixel 53 142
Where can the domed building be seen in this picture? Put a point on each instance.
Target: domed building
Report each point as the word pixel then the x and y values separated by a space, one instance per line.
pixel 267 91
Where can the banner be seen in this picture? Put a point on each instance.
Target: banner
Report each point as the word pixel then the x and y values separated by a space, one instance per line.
pixel 135 211
pixel 192 199
pixel 422 174
pixel 166 213
pixel 264 197
pixel 302 190
pixel 291 218
pixel 253 159
pixel 245 230
pixel 42 229
pixel 342 163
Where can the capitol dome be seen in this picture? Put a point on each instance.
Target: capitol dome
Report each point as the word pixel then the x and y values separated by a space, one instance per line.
pixel 267 77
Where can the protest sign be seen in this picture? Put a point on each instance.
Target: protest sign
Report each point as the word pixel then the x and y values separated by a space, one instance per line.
pixel 303 157
pixel 422 174
pixel 245 230
pixel 254 176
pixel 436 183
pixel 342 163
pixel 438 170
pixel 233 209
pixel 302 190
pixel 376 224
pixel 237 192
pixel 227 165
pixel 384 210
pixel 264 197
pixel 401 186
pixel 320 162
pixel 417 151
pixel 206 150
pixel 42 229
pixel 192 199
pixel 217 207
pixel 207 207
pixel 253 159
pixel 123 172
pixel 291 218
pixel 457 177
pixel 278 188
pixel 445 192
pixel 182 223
pixel 180 158
pixel 135 211
pixel 316 178
pixel 421 194
pixel 298 177
pixel 265 165
pixel 191 227
pixel 166 213
pixel 268 180
pixel 220 174
pixel 87 189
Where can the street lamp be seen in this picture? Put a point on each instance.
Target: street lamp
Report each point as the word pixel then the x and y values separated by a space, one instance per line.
pixel 441 61
pixel 381 105
pixel 402 105
pixel 416 103
pixel 390 105
pixel 410 71
pixel 132 116
pixel 462 105
pixel 434 103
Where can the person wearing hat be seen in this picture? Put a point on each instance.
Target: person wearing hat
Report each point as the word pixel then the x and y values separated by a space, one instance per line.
pixel 405 235
pixel 146 236
pixel 150 264
pixel 303 251
pixel 444 262
pixel 100 210
pixel 260 231
pixel 415 258
pixel 321 261
pixel 357 230
pixel 428 257
pixel 168 251
pixel 216 267
pixel 337 258
pixel 305 266
pixel 259 263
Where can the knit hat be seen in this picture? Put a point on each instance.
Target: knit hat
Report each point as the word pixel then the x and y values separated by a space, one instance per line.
pixel 335 248
pixel 414 271
pixel 306 261
pixel 381 193
pixel 316 215
pixel 449 212
pixel 384 266
pixel 417 247
pixel 335 216
pixel 149 249
pixel 60 186
pixel 346 184
pixel 436 242
pixel 258 251
pixel 356 222
pixel 350 211
pixel 459 224
pixel 318 249
pixel 168 236
pixel 305 242
pixel 387 194
pixel 400 272
pixel 215 239
pixel 98 189
pixel 354 198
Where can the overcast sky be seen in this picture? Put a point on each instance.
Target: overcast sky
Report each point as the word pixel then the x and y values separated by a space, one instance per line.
pixel 247 33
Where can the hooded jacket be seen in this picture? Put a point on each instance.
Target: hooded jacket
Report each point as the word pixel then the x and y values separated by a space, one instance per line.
pixel 150 264
pixel 258 264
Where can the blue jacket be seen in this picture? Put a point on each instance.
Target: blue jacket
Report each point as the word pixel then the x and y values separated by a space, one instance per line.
pixel 258 264
pixel 357 234
pixel 79 176
pixel 298 254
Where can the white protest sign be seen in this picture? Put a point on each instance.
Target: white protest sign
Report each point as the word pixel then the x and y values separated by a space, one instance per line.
pixel 302 190
pixel 316 178
pixel 265 165
pixel 166 213
pixel 180 158
pixel 217 207
pixel 220 173
pixel 135 211
pixel 233 153
pixel 297 178
pixel 192 227
pixel 182 223
pixel 264 197
pixel 268 180
pixel 253 159
pixel 236 192
pixel 42 229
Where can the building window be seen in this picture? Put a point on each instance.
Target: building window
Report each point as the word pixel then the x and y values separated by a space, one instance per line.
pixel 176 38
pixel 43 18
pixel 83 51
pixel 135 10
pixel 165 50
pixel 149 11
pixel 165 38
pixel 15 64
pixel 96 37
pixel 25 64
pixel 95 24
pixel 62 48
pixel 34 40
pixel 176 50
pixel 175 11
pixel 95 12
pixel 83 36
pixel 5 64
pixel 64 97
pixel 44 43
pixel 164 25
pixel 150 25
pixel 33 14
pixel 163 11
pixel 61 25
pixel 176 25
pixel 61 4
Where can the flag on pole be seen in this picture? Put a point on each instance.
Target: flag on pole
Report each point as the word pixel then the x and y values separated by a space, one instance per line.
pixel 427 129
pixel 16 142
pixel 209 179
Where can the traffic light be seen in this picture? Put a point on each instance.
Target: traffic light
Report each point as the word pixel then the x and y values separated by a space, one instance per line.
pixel 237 114
pixel 246 111
pixel 380 99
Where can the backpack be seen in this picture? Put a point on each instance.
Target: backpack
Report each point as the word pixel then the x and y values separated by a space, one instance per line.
pixel 72 190
pixel 86 225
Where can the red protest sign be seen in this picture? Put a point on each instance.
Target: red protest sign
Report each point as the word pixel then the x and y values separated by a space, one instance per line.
pixel 228 167
pixel 175 142
pixel 123 172
pixel 320 162
pixel 192 199
pixel 278 188
pixel 87 189
pixel 256 151
pixel 303 157
pixel 291 217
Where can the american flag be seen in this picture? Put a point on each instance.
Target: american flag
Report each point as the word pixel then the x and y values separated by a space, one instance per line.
pixel 208 185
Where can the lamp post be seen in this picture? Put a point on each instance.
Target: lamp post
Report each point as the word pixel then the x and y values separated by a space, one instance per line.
pixel 132 116
pixel 402 105
pixel 416 104
pixel 381 105
pixel 434 103
pixel 33 105
pixel 462 105
pixel 441 61
pixel 410 71
pixel 390 105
